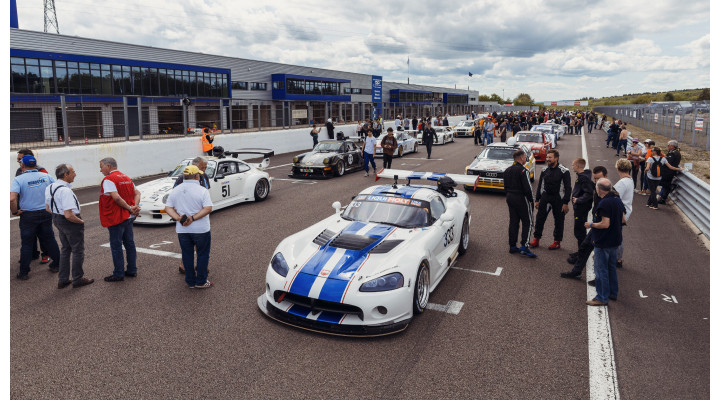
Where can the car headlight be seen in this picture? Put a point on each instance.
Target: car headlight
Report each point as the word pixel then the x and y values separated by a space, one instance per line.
pixel 164 199
pixel 279 265
pixel 326 161
pixel 384 283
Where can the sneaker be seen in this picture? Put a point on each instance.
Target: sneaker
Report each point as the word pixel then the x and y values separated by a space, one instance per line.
pixel 82 282
pixel 595 302
pixel 592 283
pixel 535 242
pixel 44 260
pixel 113 278
pixel 570 275
pixel 63 285
pixel 619 264
pixel 555 245
pixel 527 253
pixel 366 174
pixel 374 171
pixel 514 249
pixel 205 285
pixel 22 277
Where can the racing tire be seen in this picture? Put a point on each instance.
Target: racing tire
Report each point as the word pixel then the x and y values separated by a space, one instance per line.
pixel 464 237
pixel 340 168
pixel 421 294
pixel 262 189
pixel 400 151
pixel 415 148
pixel 443 140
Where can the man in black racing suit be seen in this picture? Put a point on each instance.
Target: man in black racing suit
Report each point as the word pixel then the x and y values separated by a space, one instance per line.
pixel 519 198
pixel 554 189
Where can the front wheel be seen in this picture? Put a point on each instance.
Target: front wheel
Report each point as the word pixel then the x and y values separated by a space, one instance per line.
pixel 422 289
pixel 262 189
pixel 415 148
pixel 400 151
pixel 340 168
pixel 464 237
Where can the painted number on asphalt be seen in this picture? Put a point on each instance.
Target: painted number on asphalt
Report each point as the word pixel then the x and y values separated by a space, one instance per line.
pixel 669 299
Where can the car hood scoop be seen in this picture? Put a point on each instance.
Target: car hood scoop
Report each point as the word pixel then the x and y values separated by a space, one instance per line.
pixel 351 241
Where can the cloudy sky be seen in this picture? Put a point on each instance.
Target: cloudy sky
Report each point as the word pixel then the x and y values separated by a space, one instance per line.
pixel 551 49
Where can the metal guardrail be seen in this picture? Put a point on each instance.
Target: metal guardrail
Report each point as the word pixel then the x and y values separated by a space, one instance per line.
pixel 692 195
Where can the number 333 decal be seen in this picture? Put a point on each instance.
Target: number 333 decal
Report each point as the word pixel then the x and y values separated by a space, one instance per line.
pixel 449 236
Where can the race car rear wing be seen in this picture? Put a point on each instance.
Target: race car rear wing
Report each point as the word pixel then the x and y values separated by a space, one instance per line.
pixel 399 174
pixel 265 153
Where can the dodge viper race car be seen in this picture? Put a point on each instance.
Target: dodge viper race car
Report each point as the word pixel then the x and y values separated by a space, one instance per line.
pixel 367 269
pixel 490 165
pixel 329 157
pixel 406 144
pixel 232 181
pixel 536 141
pixel 445 134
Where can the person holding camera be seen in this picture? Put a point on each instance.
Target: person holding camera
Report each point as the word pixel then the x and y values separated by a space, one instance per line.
pixel 189 205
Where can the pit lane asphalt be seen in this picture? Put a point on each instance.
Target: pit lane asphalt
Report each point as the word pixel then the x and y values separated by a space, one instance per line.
pixel 522 334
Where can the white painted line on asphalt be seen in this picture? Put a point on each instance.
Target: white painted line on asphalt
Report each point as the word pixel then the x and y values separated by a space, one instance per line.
pixel 152 251
pixel 81 205
pixel 422 158
pixel 603 371
pixel 278 166
pixel 452 307
pixel 497 272
pixel 296 181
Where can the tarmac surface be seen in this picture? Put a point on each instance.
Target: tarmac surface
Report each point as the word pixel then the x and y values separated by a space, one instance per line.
pixel 522 331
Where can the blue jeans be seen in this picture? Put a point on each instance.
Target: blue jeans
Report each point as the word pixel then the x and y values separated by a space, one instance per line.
pixel 122 235
pixel 488 138
pixel 189 242
pixel 622 143
pixel 37 225
pixel 369 159
pixel 606 281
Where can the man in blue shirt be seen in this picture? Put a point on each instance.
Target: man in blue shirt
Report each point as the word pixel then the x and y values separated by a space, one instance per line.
pixel 606 237
pixel 27 199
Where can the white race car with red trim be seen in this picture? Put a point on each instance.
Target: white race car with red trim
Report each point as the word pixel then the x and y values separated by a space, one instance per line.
pixel 370 267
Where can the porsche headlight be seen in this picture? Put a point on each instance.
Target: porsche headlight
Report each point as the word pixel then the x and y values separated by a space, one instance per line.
pixel 164 199
pixel 279 265
pixel 326 161
pixel 384 283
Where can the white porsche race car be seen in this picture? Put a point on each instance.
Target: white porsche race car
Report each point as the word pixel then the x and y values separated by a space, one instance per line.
pixel 367 269
pixel 407 143
pixel 232 181
pixel 445 134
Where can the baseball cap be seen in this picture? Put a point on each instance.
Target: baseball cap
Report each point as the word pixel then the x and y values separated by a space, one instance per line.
pixel 636 140
pixel 647 141
pixel 29 160
pixel 191 170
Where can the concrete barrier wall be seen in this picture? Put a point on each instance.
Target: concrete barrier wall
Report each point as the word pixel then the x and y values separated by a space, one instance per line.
pixel 152 157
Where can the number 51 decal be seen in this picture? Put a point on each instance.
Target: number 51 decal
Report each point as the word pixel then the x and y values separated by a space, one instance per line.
pixel 225 190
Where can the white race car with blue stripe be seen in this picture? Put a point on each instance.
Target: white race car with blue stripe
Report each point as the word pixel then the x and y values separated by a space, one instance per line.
pixel 367 269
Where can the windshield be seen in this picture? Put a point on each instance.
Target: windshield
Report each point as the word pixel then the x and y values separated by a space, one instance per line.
pixel 210 170
pixel 529 137
pixel 541 128
pixel 325 147
pixel 497 153
pixel 465 123
pixel 397 211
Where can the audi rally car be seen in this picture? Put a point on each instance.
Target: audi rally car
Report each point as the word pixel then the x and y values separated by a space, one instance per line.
pixel 329 157
pixel 492 162
pixel 232 181
pixel 465 128
pixel 370 267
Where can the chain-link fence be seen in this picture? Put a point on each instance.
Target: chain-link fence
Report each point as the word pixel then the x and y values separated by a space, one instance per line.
pixel 688 123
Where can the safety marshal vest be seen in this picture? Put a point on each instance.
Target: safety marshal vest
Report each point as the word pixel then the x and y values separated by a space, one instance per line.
pixel 207 146
pixel 111 213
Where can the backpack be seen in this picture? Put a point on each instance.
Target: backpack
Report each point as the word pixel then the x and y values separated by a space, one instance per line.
pixel 656 168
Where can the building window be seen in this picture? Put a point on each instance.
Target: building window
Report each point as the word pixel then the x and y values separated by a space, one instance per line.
pixel 258 86
pixel 239 85
pixel 279 85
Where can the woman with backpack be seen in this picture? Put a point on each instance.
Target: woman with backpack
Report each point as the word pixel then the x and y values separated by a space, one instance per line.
pixel 653 172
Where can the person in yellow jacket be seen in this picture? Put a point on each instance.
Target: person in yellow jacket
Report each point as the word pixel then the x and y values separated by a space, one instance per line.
pixel 207 140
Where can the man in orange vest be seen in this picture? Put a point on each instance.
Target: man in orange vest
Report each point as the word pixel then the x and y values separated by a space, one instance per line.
pixel 119 201
pixel 207 142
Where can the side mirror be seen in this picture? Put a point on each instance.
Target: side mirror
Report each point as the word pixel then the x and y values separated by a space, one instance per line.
pixel 219 175
pixel 336 205
pixel 446 217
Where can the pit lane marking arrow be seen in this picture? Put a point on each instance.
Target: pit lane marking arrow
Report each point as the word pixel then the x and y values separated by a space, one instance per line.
pixel 152 251
pixel 452 307
pixel 497 272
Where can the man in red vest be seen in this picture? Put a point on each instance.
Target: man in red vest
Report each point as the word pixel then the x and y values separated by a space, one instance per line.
pixel 119 201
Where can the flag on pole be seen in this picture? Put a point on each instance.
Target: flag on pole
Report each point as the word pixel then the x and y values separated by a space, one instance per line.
pixel 408 60
pixel 470 74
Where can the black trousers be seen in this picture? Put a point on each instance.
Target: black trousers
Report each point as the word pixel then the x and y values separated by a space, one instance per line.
pixel 387 160
pixel 547 204
pixel 667 186
pixel 520 211
pixel 579 229
pixel 478 136
pixel 584 251
pixel 429 146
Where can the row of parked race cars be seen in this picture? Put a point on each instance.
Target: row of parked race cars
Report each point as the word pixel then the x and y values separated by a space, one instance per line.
pixel 370 267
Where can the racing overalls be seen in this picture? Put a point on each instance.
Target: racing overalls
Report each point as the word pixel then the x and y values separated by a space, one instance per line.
pixel 554 190
pixel 519 198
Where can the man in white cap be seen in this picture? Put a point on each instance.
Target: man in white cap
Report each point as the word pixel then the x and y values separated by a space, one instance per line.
pixel 330 129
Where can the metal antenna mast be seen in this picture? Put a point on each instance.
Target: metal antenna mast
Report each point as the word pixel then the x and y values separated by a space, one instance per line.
pixel 50 16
